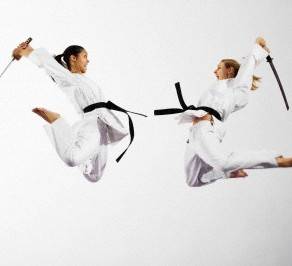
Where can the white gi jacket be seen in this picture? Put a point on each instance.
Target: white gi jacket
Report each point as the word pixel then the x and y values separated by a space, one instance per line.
pixel 205 160
pixel 83 144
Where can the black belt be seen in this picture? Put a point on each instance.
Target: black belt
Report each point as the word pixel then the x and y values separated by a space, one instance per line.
pixel 171 111
pixel 112 106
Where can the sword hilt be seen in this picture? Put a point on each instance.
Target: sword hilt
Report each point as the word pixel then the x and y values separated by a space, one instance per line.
pixel 269 59
pixel 28 40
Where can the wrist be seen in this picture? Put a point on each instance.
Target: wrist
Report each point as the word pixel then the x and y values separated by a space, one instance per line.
pixel 27 51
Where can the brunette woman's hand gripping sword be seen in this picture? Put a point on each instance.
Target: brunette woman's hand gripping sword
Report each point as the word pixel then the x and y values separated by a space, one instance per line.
pixel 16 55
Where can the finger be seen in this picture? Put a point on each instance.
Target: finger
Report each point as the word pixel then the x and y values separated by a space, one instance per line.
pixel 23 45
pixel 261 41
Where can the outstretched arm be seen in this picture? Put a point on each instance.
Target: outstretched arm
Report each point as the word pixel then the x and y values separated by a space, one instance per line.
pixel 43 59
pixel 242 83
pixel 243 80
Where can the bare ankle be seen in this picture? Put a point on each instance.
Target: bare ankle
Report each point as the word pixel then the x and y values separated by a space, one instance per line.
pixel 54 118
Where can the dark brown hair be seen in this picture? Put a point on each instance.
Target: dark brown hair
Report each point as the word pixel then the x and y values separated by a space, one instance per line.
pixel 64 58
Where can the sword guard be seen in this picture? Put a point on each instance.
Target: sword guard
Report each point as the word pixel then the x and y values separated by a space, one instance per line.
pixel 28 40
pixel 269 58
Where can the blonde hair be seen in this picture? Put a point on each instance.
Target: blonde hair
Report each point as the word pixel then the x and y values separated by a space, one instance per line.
pixel 233 63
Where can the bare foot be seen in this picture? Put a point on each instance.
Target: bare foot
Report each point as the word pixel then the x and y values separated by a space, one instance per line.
pixel 284 161
pixel 47 115
pixel 238 173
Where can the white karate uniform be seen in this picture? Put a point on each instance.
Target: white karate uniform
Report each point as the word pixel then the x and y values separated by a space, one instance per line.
pixel 205 159
pixel 85 143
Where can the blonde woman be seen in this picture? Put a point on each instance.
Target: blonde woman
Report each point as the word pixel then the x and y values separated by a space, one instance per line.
pixel 205 159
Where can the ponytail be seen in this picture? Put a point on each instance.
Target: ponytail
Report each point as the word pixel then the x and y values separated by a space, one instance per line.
pixel 255 81
pixel 64 58
pixel 60 61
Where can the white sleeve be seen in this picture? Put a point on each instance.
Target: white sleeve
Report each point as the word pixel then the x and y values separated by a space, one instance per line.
pixel 240 99
pixel 243 79
pixel 62 76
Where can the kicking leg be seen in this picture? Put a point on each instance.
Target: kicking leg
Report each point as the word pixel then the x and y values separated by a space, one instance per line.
pixel 281 161
pixel 76 144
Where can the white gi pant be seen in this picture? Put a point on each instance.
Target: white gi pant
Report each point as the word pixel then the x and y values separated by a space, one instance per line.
pixel 206 161
pixel 84 144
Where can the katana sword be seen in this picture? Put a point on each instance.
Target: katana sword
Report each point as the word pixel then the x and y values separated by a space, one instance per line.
pixel 270 61
pixel 27 42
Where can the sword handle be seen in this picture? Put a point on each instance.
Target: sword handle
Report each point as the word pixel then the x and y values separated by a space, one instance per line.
pixel 27 43
pixel 269 59
pixel 28 40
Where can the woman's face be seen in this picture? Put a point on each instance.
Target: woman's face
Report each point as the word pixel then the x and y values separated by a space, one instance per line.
pixel 79 63
pixel 221 71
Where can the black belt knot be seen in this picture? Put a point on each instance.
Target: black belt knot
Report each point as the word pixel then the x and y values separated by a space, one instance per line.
pixel 111 106
pixel 185 107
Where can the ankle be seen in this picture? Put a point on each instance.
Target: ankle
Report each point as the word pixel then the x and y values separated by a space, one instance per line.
pixel 53 119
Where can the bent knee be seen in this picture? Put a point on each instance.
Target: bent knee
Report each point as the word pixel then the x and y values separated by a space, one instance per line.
pixel 73 160
pixel 71 163
pixel 194 183
pixel 92 178
pixel 222 165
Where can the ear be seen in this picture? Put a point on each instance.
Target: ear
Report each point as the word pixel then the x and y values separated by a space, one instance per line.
pixel 72 58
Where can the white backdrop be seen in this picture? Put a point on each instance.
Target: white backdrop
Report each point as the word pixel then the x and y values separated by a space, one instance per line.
pixel 142 212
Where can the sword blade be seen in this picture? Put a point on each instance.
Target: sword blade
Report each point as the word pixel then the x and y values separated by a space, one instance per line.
pixel 270 61
pixel 27 42
pixel 6 67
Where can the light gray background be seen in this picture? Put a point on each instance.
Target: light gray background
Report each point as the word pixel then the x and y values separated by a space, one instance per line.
pixel 142 212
